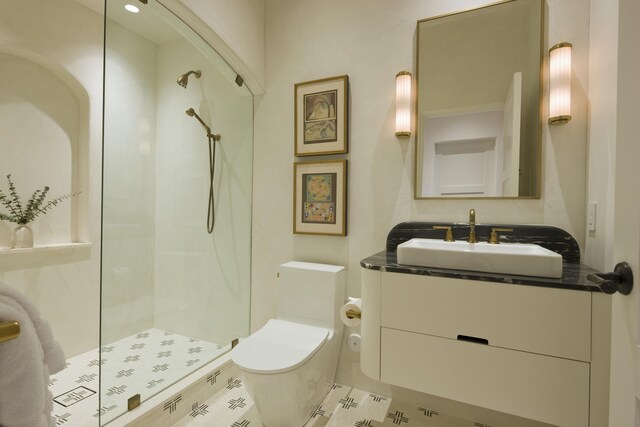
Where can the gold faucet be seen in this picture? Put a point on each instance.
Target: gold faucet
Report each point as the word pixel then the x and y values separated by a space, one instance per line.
pixel 449 234
pixel 472 226
pixel 494 239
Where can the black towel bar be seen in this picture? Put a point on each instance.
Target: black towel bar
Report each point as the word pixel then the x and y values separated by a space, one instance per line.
pixel 620 280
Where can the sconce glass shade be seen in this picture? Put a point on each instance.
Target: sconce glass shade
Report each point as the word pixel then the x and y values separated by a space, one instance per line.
pixel 403 104
pixel 560 83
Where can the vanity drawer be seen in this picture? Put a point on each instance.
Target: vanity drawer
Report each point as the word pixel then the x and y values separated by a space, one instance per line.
pixel 542 388
pixel 555 322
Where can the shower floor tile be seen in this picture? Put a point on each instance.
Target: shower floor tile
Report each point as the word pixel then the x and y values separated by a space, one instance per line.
pixel 144 363
pixel 342 407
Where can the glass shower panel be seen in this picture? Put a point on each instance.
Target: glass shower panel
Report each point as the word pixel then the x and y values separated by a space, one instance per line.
pixel 173 295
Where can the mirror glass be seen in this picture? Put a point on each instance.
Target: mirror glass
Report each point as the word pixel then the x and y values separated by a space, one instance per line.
pixel 478 102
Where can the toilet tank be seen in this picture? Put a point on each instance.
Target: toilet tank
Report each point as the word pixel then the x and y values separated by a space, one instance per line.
pixel 311 294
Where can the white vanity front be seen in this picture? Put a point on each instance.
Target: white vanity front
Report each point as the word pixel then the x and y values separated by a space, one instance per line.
pixel 505 347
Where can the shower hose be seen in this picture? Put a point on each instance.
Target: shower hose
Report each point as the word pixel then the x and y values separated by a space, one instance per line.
pixel 211 215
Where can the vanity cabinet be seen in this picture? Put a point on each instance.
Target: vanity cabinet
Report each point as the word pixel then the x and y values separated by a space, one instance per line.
pixel 523 350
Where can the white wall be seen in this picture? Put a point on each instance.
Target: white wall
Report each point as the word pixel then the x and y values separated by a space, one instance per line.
pixel 239 33
pixel 603 65
pixel 65 38
pixel 371 41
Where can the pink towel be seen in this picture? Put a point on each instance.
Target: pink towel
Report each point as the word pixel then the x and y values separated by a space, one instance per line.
pixel 25 399
pixel 53 353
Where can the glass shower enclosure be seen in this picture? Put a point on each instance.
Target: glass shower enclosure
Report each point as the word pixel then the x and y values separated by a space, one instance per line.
pixel 174 296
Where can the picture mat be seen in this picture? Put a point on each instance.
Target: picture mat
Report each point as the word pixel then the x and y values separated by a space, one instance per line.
pixel 338 146
pixel 339 167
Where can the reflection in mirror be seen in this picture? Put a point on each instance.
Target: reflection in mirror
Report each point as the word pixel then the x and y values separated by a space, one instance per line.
pixel 478 108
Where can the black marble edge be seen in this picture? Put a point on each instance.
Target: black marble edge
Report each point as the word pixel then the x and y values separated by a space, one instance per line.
pixel 574 276
pixel 553 238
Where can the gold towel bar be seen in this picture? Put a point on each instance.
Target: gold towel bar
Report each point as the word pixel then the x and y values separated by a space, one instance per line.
pixel 9 331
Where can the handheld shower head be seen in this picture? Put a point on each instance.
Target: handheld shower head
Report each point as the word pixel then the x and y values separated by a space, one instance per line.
pixel 192 113
pixel 183 80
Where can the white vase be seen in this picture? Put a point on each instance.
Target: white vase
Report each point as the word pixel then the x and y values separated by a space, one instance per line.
pixel 22 237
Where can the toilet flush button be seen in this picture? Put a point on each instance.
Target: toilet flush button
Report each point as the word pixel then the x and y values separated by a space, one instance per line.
pixel 354 342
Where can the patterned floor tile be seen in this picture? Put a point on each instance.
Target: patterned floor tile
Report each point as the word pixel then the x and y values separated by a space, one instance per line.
pixel 230 407
pixel 375 406
pixel 347 413
pixel 360 408
pixel 321 415
pixel 152 359
pixel 400 414
pixel 143 363
pixel 351 408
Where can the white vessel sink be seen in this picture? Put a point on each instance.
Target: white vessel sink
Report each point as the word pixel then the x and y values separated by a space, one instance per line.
pixel 506 258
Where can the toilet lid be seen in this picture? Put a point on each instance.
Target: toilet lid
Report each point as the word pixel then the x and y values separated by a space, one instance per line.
pixel 278 346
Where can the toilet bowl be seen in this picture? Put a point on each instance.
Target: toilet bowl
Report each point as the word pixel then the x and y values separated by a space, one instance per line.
pixel 289 364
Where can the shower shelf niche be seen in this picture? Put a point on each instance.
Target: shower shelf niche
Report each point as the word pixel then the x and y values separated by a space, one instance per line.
pixel 46 248
pixel 44 140
pixel 43 255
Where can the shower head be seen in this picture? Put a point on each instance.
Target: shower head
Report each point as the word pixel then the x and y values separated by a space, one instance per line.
pixel 184 79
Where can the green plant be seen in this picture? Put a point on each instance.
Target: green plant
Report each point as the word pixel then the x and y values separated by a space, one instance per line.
pixel 36 205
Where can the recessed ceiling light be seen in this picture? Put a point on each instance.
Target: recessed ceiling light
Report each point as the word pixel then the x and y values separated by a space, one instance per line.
pixel 131 8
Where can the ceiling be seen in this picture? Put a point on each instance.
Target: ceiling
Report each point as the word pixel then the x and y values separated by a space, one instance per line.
pixel 147 23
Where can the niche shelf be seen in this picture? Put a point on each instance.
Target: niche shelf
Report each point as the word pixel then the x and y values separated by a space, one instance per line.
pixel 45 248
pixel 43 255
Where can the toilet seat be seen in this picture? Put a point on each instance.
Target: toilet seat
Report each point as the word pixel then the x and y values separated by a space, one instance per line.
pixel 278 346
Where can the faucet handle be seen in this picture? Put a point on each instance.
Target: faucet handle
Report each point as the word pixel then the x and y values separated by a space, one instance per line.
pixel 493 239
pixel 449 236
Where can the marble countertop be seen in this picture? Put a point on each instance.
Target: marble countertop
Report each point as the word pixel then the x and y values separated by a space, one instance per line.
pixel 574 276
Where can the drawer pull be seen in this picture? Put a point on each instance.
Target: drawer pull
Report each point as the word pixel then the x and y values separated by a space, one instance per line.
pixel 473 339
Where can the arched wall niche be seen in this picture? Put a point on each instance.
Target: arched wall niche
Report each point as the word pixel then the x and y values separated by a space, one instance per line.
pixel 44 140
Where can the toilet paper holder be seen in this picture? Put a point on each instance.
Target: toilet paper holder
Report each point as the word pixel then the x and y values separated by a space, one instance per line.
pixel 354 314
pixel 350 313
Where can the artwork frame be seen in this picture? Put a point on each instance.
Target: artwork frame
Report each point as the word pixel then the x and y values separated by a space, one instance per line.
pixel 321 116
pixel 320 197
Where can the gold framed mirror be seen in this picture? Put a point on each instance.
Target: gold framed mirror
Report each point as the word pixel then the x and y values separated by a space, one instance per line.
pixel 478 107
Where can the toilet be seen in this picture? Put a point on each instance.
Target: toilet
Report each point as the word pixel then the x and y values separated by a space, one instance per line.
pixel 289 365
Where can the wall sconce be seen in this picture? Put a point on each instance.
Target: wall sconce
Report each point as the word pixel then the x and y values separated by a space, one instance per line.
pixel 560 83
pixel 403 104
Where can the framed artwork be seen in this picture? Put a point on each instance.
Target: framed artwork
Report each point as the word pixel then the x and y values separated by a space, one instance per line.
pixel 321 116
pixel 320 197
